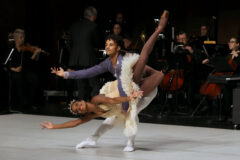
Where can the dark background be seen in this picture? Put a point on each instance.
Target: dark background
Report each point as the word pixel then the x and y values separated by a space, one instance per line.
pixel 44 20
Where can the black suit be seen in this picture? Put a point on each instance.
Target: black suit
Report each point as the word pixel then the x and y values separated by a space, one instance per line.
pixel 84 39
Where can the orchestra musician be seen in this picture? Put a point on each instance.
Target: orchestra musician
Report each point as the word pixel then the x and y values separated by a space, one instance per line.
pixel 22 67
pixel 233 60
pixel 181 66
pixel 204 34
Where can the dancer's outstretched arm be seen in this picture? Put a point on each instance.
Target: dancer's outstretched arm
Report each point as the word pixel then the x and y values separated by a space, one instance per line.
pixel 84 73
pixel 148 47
pixel 69 124
pixel 96 100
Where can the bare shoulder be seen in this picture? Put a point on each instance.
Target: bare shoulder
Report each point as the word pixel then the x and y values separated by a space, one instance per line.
pixel 98 99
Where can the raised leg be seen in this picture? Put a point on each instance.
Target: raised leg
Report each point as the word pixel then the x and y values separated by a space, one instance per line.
pixel 148 47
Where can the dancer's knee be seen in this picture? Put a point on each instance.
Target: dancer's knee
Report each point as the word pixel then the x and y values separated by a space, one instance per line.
pixel 158 76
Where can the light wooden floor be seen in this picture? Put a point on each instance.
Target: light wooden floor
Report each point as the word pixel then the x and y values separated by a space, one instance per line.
pixel 21 138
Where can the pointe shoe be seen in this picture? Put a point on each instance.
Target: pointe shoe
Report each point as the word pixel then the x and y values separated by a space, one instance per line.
pixel 128 148
pixel 163 21
pixel 86 143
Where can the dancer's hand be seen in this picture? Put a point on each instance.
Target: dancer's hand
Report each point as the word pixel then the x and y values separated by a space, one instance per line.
pixel 46 124
pixel 59 72
pixel 134 95
pixel 163 21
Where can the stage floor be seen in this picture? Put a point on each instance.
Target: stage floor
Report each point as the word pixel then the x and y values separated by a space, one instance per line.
pixel 21 138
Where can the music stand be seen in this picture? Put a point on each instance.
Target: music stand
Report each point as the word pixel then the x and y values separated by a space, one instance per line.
pixel 10 85
pixel 220 63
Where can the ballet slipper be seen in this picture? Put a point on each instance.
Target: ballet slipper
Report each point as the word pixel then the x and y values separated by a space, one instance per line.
pixel 128 148
pixel 130 144
pixel 89 142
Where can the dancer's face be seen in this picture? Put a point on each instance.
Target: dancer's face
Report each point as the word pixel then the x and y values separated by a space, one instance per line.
pixel 111 47
pixel 79 107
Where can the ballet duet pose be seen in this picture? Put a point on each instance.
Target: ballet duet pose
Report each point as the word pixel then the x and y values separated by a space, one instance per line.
pixel 119 100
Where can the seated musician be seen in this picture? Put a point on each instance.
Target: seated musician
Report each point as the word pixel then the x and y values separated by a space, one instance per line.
pixel 179 59
pixel 178 79
pixel 233 44
pixel 232 57
pixel 233 60
pixel 204 35
pixel 129 44
pixel 188 56
pixel 193 54
pixel 22 66
pixel 177 62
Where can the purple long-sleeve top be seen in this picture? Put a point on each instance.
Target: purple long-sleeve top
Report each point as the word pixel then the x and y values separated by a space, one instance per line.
pixel 105 66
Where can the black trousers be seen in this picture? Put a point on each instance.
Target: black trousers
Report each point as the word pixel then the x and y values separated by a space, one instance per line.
pixel 32 88
pixel 17 89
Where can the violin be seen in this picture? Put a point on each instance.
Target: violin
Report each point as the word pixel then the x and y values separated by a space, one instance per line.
pixel 29 48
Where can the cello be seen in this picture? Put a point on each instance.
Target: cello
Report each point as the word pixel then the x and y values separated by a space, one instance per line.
pixel 174 79
pixel 212 90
